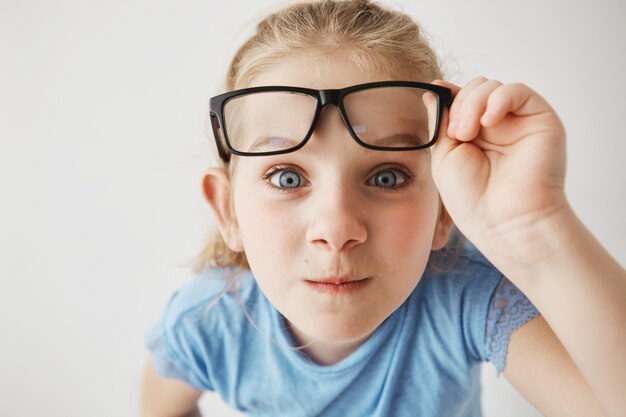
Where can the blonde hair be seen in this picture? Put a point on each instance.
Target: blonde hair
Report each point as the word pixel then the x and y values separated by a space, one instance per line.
pixel 375 38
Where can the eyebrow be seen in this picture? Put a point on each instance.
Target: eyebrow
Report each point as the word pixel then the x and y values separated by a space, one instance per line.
pixel 264 144
pixel 396 140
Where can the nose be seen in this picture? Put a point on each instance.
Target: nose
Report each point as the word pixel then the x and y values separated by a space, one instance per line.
pixel 336 223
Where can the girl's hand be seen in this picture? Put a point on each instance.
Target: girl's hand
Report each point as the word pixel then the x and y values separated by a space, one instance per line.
pixel 500 172
pixel 499 165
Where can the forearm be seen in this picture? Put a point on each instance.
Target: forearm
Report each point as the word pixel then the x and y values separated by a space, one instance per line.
pixel 581 292
pixel 164 397
pixel 194 413
pixel 164 407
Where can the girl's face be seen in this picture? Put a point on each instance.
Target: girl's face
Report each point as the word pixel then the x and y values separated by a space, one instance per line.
pixel 334 210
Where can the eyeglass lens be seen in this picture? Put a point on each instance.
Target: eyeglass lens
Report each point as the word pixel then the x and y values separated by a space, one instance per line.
pixel 391 117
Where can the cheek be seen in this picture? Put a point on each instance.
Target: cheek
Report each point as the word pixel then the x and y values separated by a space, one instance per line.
pixel 263 226
pixel 407 228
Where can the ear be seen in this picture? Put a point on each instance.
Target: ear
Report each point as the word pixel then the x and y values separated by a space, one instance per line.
pixel 442 228
pixel 216 189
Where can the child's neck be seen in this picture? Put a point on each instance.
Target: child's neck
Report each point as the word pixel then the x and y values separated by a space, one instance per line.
pixel 323 353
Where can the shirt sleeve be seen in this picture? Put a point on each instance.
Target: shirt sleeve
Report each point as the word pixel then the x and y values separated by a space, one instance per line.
pixel 509 309
pixel 168 363
pixel 491 307
pixel 183 340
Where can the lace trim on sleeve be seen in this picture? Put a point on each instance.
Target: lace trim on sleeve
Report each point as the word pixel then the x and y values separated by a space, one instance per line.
pixel 509 309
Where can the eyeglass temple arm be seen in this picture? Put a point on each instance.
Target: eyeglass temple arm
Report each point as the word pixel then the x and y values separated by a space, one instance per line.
pixel 215 125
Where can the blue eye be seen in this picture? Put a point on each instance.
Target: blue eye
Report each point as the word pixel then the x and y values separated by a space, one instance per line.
pixel 387 178
pixel 286 179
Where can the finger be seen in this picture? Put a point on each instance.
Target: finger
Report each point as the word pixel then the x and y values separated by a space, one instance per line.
pixel 458 103
pixel 430 102
pixel 516 98
pixel 472 109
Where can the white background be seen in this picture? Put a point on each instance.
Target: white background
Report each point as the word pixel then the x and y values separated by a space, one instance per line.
pixel 103 142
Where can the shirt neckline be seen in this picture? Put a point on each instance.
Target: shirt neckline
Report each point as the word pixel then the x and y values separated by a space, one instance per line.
pixel 374 342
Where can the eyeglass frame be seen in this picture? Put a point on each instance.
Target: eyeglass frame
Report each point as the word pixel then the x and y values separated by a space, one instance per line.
pixel 322 98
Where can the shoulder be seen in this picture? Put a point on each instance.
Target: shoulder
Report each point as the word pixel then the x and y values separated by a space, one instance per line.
pixel 207 293
pixel 462 271
pixel 200 318
pixel 203 312
pixel 457 292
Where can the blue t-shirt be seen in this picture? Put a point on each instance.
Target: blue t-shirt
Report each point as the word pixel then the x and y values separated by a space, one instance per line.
pixel 423 360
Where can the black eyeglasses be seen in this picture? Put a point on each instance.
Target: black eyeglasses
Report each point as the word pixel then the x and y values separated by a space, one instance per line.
pixel 271 120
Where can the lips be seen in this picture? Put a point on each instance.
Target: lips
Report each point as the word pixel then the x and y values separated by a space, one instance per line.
pixel 338 285
pixel 337 280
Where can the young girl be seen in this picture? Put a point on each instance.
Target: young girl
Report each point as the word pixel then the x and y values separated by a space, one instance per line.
pixel 340 283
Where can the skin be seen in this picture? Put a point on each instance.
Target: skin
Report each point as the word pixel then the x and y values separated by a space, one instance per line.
pixel 499 167
pixel 336 223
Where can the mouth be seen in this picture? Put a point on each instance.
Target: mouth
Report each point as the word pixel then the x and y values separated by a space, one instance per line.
pixel 338 285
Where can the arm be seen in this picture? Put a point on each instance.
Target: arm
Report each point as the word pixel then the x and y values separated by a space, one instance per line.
pixel 581 291
pixel 163 397
pixel 499 166
pixel 540 369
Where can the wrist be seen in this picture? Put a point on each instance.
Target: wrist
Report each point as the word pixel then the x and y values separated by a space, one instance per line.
pixel 523 247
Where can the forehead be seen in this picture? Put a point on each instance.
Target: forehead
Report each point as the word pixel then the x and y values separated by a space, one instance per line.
pixel 326 72
pixel 320 72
